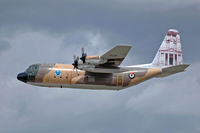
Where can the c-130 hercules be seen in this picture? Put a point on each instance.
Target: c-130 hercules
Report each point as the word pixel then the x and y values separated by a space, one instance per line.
pixel 104 73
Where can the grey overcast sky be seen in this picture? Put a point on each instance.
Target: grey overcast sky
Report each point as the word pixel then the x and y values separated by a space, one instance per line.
pixel 50 31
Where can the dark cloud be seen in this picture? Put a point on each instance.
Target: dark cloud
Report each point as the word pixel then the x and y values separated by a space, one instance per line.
pixel 52 31
pixel 139 23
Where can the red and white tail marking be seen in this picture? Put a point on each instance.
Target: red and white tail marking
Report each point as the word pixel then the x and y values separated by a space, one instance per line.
pixel 170 52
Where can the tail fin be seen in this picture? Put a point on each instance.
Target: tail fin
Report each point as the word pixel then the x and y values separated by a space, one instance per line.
pixel 170 52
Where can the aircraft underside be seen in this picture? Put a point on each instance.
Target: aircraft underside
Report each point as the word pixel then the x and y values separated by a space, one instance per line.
pixel 78 86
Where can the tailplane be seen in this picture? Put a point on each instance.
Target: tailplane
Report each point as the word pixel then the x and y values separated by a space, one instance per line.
pixel 170 52
pixel 173 70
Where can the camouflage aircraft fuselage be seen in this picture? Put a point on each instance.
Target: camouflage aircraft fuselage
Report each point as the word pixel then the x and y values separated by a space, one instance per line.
pixel 104 71
pixel 64 75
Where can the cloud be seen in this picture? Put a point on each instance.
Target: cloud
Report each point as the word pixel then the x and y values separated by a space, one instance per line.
pixel 173 95
pixel 139 23
pixel 144 107
pixel 20 105
pixel 4 45
pixel 51 32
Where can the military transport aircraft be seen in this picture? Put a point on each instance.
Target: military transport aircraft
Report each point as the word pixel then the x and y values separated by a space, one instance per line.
pixel 103 72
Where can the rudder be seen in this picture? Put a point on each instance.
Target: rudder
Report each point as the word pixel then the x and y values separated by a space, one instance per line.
pixel 170 52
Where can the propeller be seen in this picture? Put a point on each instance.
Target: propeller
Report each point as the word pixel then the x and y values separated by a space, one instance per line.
pixel 83 57
pixel 75 64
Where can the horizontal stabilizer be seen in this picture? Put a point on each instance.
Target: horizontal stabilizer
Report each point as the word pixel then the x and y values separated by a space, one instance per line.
pixel 172 70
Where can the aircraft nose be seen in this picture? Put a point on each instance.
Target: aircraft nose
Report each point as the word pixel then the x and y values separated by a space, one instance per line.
pixel 22 77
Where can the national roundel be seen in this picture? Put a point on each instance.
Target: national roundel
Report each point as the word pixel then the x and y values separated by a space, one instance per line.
pixel 58 73
pixel 131 75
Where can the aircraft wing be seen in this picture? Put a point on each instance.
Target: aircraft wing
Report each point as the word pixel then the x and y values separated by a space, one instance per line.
pixel 115 56
pixel 108 62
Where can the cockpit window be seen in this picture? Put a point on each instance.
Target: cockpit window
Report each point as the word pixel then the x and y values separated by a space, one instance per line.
pixel 32 70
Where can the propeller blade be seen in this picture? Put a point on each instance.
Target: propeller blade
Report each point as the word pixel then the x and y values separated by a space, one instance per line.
pixel 77 58
pixel 74 56
pixel 83 57
pixel 82 50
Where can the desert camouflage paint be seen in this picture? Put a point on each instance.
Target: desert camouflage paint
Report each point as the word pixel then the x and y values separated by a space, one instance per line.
pixel 103 72
pixel 63 75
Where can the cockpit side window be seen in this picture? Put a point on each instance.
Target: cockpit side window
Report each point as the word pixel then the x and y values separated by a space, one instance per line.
pixel 32 70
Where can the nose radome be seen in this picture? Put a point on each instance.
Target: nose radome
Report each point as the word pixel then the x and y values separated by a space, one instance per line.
pixel 22 77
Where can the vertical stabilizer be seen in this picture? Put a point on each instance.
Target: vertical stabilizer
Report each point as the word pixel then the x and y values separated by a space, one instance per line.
pixel 170 52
